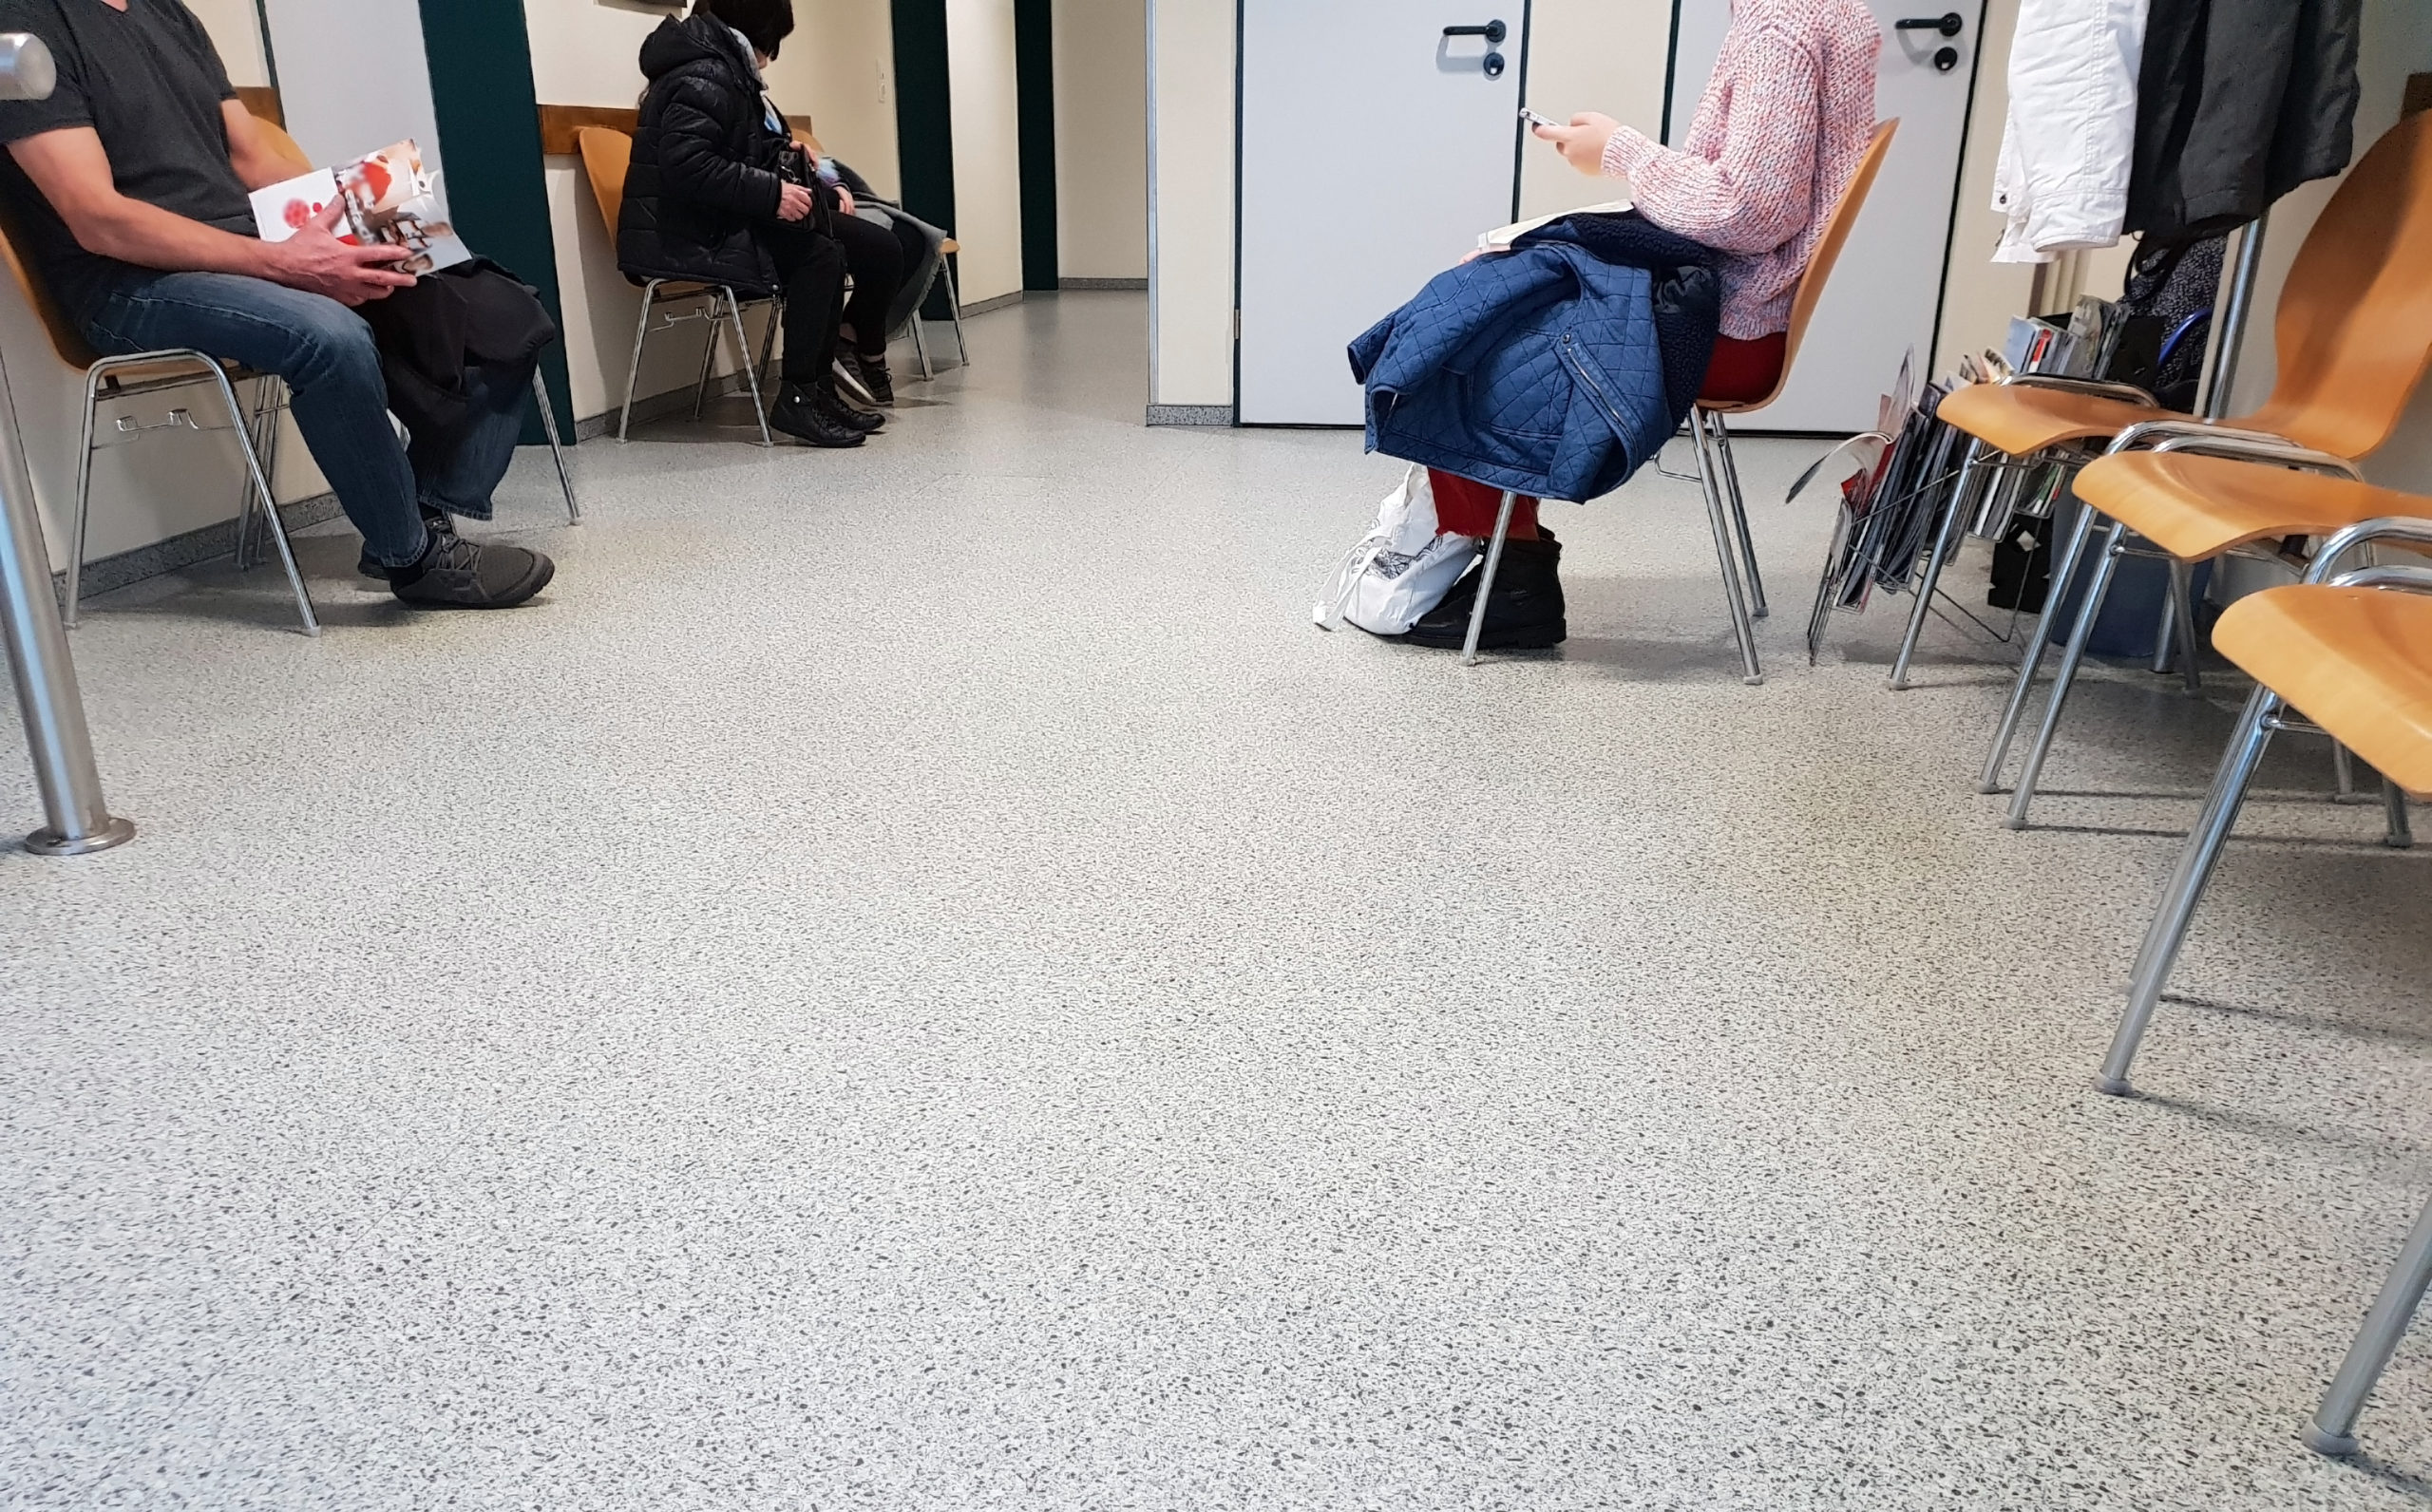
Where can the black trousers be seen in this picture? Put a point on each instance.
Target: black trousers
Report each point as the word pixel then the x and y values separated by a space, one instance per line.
pixel 875 257
pixel 811 263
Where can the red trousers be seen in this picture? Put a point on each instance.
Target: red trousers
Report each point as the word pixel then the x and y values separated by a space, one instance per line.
pixel 1741 370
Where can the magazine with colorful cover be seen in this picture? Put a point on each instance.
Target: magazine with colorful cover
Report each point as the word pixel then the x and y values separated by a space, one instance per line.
pixel 386 199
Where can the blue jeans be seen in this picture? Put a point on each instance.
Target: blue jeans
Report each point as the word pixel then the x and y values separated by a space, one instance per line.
pixel 325 353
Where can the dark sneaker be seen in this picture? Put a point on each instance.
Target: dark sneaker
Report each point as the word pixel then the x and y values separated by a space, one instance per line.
pixel 1525 612
pixel 455 573
pixel 367 566
pixel 868 422
pixel 797 413
pixel 865 378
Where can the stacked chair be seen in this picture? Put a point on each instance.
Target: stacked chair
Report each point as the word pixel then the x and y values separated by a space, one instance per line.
pixel 2354 335
pixel 2347 652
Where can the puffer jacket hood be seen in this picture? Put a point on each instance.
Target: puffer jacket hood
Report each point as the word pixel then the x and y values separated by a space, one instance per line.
pixel 706 170
pixel 693 39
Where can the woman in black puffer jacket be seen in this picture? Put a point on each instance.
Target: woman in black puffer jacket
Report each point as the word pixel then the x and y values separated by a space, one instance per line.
pixel 718 193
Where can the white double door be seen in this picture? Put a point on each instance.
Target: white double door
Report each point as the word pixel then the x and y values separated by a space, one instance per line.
pixel 1378 139
pixel 1375 147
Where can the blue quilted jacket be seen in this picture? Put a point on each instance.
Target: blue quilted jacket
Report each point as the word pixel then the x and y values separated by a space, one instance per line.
pixel 1537 369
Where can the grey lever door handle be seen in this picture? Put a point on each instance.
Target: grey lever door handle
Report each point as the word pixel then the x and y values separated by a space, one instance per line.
pixel 1948 23
pixel 1493 32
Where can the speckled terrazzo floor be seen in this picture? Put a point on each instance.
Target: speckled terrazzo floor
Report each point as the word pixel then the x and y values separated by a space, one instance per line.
pixel 916 980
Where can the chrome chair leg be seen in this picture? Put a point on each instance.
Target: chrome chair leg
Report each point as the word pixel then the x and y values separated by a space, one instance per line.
pixel 556 451
pixel 1709 478
pixel 2168 931
pixel 1972 480
pixel 709 353
pixel 1486 580
pixel 277 526
pixel 921 345
pixel 2402 830
pixel 2333 1430
pixel 769 342
pixel 1757 608
pixel 2063 571
pixel 2344 770
pixel 83 506
pixel 2023 797
pixel 2182 602
pixel 954 304
pixel 260 429
pixel 751 373
pixel 634 368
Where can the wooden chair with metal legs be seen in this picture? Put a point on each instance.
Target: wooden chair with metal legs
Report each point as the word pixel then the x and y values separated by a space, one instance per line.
pixel 149 374
pixel 1743 586
pixel 270 396
pixel 2351 648
pixel 2189 507
pixel 946 253
pixel 607 155
pixel 2353 334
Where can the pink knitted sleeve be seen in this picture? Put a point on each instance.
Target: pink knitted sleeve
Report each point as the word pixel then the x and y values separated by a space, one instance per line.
pixel 1754 194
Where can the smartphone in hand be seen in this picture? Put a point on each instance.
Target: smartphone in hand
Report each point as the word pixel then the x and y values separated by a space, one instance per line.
pixel 1535 119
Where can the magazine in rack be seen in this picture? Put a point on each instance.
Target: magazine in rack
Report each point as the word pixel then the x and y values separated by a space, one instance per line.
pixel 385 198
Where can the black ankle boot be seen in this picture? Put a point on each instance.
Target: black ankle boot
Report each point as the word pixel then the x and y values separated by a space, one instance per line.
pixel 1525 611
pixel 798 413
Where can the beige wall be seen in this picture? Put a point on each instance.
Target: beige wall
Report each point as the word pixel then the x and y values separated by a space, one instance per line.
pixel 1190 269
pixel 1102 138
pixel 237 34
pixel 839 69
pixel 987 148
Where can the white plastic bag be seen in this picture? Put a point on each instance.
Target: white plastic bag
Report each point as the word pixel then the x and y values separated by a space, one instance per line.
pixel 1399 570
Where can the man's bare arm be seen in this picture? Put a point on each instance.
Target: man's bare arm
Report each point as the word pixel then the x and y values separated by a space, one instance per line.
pixel 73 172
pixel 258 163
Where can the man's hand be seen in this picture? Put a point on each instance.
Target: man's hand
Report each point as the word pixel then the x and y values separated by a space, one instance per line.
pixel 793 201
pixel 1582 143
pixel 317 262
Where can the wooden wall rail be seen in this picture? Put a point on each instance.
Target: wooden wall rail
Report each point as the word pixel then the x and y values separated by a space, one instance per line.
pixel 559 123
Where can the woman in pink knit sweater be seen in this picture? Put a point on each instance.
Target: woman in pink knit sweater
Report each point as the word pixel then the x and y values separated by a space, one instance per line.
pixel 1777 135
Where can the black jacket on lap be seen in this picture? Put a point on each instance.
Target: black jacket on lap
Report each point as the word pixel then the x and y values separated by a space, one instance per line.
pixel 707 169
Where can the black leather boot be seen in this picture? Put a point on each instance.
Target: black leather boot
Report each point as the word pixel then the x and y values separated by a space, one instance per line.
pixel 798 413
pixel 1524 612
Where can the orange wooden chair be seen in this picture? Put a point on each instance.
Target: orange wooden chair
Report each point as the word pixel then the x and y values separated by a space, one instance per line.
pixel 607 156
pixel 1718 474
pixel 2354 336
pixel 2351 649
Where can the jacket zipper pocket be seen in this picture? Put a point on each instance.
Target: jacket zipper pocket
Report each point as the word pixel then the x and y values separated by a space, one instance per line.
pixel 1579 366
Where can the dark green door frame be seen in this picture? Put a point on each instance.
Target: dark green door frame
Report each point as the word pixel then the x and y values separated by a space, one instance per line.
pixel 925 122
pixel 1034 88
pixel 489 139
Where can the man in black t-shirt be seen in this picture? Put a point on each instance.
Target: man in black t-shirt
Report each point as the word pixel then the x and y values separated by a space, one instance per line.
pixel 127 191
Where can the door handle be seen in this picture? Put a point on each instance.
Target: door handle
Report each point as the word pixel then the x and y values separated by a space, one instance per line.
pixel 1948 23
pixel 1493 32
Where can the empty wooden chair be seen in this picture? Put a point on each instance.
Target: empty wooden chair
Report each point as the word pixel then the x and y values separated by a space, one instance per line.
pixel 2351 651
pixel 2353 333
